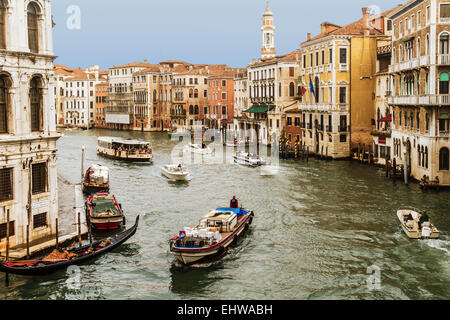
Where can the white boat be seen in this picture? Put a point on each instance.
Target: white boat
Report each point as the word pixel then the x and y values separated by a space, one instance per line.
pixel 411 226
pixel 96 179
pixel 175 172
pixel 198 148
pixel 122 149
pixel 248 159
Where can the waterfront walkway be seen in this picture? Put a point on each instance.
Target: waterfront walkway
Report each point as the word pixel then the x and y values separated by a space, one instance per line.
pixel 70 200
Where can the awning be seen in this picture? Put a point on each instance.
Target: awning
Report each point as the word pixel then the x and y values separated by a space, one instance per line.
pixel 409 39
pixel 443 116
pixel 259 109
pixel 386 119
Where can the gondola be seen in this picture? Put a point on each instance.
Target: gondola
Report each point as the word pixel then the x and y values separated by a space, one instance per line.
pixel 81 254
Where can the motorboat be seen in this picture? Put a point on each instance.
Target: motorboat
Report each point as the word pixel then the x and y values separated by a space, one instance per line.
pixel 198 148
pixel 96 179
pixel 248 159
pixel 175 172
pixel 409 219
pixel 215 233
pixel 104 213
pixel 123 149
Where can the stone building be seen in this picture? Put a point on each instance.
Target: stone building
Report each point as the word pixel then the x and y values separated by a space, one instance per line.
pixel 338 73
pixel 28 153
pixel 420 75
pixel 101 101
pixel 241 99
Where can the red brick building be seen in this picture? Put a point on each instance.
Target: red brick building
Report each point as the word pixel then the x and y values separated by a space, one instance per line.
pixel 293 126
pixel 101 101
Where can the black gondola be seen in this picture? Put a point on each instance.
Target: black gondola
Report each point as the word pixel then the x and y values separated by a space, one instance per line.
pixel 41 267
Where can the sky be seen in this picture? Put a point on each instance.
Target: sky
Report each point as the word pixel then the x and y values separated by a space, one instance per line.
pixel 115 32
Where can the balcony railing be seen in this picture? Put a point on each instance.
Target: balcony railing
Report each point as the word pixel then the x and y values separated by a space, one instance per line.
pixel 438 99
pixel 315 107
pixel 444 59
pixel 329 67
pixel 424 60
pixel 343 67
pixel 445 134
pixel 321 69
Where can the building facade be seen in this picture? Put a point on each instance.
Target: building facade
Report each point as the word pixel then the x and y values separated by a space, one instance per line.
pixel 101 101
pixel 420 74
pixel 338 74
pixel 28 152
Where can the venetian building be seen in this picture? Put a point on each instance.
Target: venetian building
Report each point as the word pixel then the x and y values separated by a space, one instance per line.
pixel 28 153
pixel 420 77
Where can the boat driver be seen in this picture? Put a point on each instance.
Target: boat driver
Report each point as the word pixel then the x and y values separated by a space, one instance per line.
pixel 234 203
pixel 423 218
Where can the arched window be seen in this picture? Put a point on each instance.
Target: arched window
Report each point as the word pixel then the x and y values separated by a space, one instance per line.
pixel 418 120
pixel 426 157
pixel 444 159
pixel 291 89
pixel 443 43
pixel 191 109
pixel 427 44
pixel 378 118
pixel 3 104
pixel 443 83
pixel 33 29
pixel 196 110
pixel 36 104
pixel 155 96
pixel 2 24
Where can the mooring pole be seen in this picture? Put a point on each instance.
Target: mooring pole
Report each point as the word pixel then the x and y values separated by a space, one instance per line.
pixel 82 162
pixel 79 228
pixel 7 245
pixel 57 234
pixel 28 241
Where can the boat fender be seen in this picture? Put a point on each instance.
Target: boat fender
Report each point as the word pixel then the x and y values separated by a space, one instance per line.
pixel 124 220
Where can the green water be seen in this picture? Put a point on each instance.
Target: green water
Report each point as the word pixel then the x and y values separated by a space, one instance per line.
pixel 318 226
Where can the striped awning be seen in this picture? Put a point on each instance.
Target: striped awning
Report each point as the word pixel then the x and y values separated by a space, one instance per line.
pixel 259 109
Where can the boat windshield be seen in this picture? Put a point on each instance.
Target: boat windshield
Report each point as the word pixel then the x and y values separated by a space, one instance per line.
pixel 132 148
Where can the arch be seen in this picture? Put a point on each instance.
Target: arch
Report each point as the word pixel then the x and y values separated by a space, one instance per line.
pixel 444 42
pixel 33 13
pixel 36 112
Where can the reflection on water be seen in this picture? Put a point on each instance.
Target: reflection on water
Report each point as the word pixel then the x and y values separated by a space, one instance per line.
pixel 318 227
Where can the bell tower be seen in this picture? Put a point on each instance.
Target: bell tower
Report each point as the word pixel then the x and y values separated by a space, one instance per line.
pixel 268 34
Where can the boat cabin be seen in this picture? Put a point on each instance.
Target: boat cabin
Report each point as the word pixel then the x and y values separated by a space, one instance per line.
pixel 224 221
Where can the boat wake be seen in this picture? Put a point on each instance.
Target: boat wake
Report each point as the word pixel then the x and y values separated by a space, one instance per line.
pixel 443 245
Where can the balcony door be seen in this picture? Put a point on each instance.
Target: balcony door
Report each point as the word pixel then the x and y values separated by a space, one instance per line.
pixel 443 83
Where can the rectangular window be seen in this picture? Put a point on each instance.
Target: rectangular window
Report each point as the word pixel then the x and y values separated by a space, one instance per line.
pixel 330 57
pixel 40 220
pixel 323 57
pixel 291 71
pixel 445 11
pixel 389 25
pixel 343 138
pixel 342 95
pixel 224 95
pixel 6 184
pixel 3 229
pixel 289 121
pixel 224 83
pixel 39 177
pixel 343 55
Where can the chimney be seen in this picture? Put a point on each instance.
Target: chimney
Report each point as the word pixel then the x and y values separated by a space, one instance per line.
pixel 366 15
pixel 309 36
pixel 145 60
pixel 323 27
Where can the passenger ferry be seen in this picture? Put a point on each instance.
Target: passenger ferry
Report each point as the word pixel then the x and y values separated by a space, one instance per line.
pixel 122 149
pixel 216 232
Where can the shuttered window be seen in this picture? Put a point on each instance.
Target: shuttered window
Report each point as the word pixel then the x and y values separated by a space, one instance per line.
pixel 3 229
pixel 39 177
pixel 6 184
pixel 40 220
pixel 33 32
pixel 3 106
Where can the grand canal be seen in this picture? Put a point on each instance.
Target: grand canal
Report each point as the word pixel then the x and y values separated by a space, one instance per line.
pixel 318 227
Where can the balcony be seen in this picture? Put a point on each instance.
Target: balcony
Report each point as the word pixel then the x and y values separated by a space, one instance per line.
pixel 437 99
pixel 343 67
pixel 444 59
pixel 343 128
pixel 329 67
pixel 316 69
pixel 303 72
pixel 318 107
pixel 444 20
pixel 321 69
pixel 424 60
pixel 329 128
pixel 444 134
pixel 404 100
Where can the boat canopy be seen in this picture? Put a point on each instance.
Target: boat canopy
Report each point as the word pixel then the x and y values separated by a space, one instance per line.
pixel 98 174
pixel 127 142
pixel 238 211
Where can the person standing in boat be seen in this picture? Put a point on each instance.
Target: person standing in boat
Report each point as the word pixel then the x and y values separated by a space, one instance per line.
pixel 423 218
pixel 234 203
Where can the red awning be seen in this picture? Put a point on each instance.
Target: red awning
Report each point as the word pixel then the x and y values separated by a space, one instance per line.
pixel 386 119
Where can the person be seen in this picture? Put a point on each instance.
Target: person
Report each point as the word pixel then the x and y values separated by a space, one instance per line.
pixel 423 218
pixel 234 203
pixel 409 217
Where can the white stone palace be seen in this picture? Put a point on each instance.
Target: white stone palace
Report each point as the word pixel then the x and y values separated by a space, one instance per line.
pixel 28 172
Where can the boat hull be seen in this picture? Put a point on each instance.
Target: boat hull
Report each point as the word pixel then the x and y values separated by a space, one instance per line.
pixel 174 176
pixel 91 189
pixel 127 158
pixel 106 223
pixel 195 256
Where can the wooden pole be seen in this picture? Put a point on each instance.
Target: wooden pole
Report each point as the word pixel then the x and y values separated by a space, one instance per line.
pixel 79 228
pixel 57 234
pixel 7 245
pixel 30 206
pixel 28 241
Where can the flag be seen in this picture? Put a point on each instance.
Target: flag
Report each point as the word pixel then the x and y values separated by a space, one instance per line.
pixel 302 91
pixel 311 87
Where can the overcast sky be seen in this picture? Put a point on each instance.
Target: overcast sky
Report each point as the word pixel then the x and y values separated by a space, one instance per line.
pixel 114 32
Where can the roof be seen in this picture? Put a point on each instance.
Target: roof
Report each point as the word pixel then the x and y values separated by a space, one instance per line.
pixel 153 68
pixel 356 28
pixel 292 56
pixel 133 64
pixel 122 141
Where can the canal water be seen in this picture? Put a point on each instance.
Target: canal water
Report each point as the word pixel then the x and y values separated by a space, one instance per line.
pixel 322 230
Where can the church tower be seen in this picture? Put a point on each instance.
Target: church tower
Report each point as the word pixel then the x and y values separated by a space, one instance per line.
pixel 268 35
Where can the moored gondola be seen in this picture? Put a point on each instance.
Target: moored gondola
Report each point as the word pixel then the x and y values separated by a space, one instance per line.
pixel 72 256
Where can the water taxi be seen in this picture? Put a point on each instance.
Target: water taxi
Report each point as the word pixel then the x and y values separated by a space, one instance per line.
pixel 96 179
pixel 122 149
pixel 248 159
pixel 216 232
pixel 409 220
pixel 175 172
pixel 104 212
pixel 198 148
